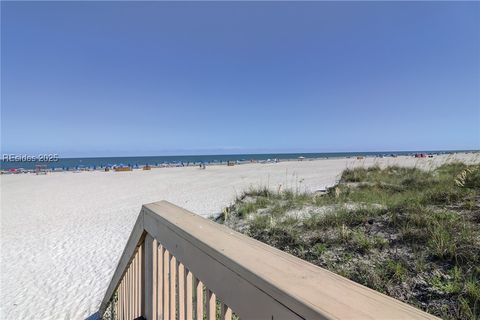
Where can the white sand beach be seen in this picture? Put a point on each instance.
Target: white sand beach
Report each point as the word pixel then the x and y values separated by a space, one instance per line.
pixel 63 233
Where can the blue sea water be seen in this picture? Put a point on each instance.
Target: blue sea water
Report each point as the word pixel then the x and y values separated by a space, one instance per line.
pixel 78 163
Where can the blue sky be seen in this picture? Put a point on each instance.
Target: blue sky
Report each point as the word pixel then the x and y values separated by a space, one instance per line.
pixel 154 78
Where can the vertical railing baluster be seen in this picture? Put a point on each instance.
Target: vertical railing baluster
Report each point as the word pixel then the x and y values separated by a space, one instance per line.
pixel 117 305
pixel 211 305
pixel 173 289
pixel 127 278
pixel 138 285
pixel 122 307
pixel 160 253
pixel 181 291
pixel 155 279
pixel 123 299
pixel 125 288
pixel 134 294
pixel 150 248
pixel 189 295
pixel 137 281
pixel 119 297
pixel 142 279
pixel 134 286
pixel 130 290
pixel 199 305
pixel 226 312
pixel 125 296
pixel 166 285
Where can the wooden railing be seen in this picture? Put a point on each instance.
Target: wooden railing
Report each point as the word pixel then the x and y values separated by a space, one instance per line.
pixel 178 265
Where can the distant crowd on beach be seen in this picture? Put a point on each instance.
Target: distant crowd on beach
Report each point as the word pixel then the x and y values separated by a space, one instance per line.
pixel 42 168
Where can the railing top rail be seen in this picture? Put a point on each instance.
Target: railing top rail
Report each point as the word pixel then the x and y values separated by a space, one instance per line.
pixel 308 290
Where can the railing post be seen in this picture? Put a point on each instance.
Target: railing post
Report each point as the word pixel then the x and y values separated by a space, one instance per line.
pixel 148 301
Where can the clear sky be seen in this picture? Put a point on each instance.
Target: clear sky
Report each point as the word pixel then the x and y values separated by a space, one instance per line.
pixel 154 78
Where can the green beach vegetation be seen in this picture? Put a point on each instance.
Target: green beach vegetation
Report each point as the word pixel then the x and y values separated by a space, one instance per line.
pixel 412 234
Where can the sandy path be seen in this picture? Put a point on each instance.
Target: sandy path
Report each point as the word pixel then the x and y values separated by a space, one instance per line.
pixel 62 234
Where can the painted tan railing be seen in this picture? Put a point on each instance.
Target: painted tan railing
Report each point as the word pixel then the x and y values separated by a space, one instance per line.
pixel 178 265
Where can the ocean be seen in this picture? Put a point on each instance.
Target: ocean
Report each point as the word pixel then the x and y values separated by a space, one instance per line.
pixel 100 162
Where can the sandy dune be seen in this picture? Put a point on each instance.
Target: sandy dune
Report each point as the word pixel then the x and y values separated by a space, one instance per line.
pixel 62 233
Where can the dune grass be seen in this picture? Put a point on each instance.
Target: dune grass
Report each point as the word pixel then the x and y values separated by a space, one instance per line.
pixel 406 232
